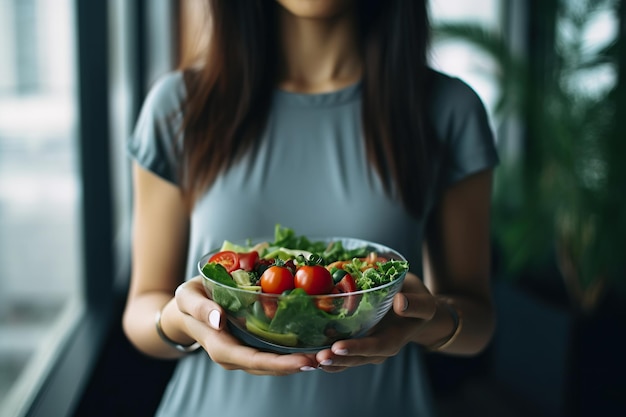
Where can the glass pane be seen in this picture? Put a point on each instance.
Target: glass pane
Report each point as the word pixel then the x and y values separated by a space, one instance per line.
pixel 40 268
pixel 462 59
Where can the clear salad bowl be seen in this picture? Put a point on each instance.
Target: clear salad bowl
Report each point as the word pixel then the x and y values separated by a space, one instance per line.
pixel 298 322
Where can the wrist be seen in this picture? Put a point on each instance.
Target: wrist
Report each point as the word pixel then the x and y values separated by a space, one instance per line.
pixel 165 327
pixel 455 316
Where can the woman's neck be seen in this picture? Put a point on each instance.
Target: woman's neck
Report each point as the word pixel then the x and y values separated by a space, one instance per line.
pixel 318 55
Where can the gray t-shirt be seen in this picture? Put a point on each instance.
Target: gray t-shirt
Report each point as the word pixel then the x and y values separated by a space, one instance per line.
pixel 310 173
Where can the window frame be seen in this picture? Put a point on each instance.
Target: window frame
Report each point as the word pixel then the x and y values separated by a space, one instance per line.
pixel 106 63
pixel 79 352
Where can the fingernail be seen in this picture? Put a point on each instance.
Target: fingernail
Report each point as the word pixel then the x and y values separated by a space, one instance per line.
pixel 307 368
pixel 326 362
pixel 405 303
pixel 214 319
pixel 340 352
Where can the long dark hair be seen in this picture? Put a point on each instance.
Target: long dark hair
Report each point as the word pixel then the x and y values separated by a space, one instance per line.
pixel 229 93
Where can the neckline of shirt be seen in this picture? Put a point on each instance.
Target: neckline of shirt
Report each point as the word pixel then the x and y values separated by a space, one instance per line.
pixel 340 96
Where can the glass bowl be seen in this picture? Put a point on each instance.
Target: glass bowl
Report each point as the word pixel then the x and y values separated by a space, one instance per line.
pixel 298 324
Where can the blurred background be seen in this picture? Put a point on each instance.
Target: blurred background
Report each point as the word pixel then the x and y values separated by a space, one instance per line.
pixel 73 74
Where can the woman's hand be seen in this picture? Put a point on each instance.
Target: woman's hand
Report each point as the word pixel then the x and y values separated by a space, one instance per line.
pixel 413 309
pixel 205 321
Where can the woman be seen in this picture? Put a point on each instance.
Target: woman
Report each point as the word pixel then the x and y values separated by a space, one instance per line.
pixel 321 116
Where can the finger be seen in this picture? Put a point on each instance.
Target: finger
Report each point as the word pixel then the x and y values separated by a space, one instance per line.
pixel 236 356
pixel 352 362
pixel 341 363
pixel 191 299
pixel 346 352
pixel 227 351
pixel 419 306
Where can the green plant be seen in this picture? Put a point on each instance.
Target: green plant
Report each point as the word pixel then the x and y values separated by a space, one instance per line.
pixel 558 197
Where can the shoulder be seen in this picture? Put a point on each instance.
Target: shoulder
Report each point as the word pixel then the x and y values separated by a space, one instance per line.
pixel 153 143
pixel 461 124
pixel 454 108
pixel 166 94
pixel 449 94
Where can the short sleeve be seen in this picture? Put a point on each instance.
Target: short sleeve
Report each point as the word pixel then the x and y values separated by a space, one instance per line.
pixel 156 136
pixel 462 124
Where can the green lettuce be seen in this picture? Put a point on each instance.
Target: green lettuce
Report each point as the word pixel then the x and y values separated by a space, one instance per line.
pixel 375 277
pixel 285 237
pixel 298 314
pixel 231 299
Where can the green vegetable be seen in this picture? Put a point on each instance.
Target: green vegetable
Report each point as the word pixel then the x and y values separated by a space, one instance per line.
pixel 242 278
pixel 285 237
pixel 354 323
pixel 298 314
pixel 375 277
pixel 284 339
pixel 227 298
pixel 286 254
pixel 218 273
pixel 259 314
pixel 338 274
pixel 336 252
pixel 227 245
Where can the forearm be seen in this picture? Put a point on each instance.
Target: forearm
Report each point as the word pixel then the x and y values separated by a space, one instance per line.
pixel 140 326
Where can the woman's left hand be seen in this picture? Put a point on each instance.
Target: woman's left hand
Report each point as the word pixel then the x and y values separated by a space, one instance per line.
pixel 412 309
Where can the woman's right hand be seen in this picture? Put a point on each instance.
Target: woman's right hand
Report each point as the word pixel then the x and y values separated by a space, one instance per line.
pixel 160 240
pixel 205 321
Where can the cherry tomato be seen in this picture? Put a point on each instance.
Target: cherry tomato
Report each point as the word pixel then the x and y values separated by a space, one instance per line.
pixel 328 304
pixel 248 260
pixel 269 308
pixel 228 259
pixel 314 279
pixel 347 284
pixel 276 280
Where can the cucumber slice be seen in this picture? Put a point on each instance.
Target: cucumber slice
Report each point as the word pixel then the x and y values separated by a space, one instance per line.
pixel 254 288
pixel 286 254
pixel 259 319
pixel 242 278
pixel 227 245
pixel 284 339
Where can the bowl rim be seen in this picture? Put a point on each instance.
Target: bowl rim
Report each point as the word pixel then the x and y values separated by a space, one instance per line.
pixel 361 242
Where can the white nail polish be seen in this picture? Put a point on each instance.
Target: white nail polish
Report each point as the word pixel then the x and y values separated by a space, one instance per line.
pixel 307 368
pixel 214 319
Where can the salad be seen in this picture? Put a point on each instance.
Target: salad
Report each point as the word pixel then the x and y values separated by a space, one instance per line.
pixel 296 292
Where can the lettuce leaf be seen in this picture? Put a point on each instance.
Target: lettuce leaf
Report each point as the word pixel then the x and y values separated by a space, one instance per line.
pixel 232 300
pixel 298 314
pixel 285 237
pixel 374 277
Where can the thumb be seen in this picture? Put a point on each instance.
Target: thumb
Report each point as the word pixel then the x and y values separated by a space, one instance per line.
pixel 420 306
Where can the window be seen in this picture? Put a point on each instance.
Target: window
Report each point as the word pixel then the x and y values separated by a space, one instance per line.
pixel 40 229
pixel 462 59
pixel 72 77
